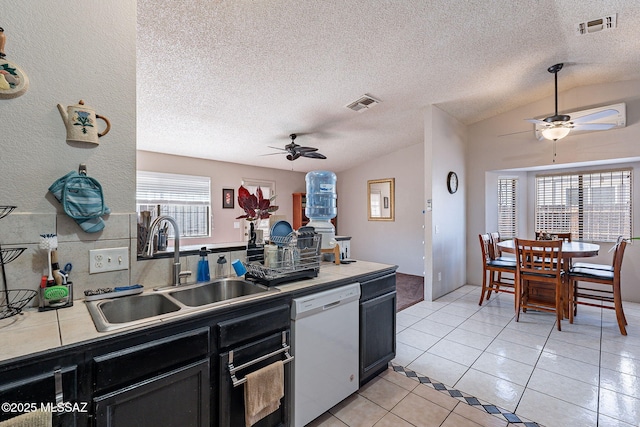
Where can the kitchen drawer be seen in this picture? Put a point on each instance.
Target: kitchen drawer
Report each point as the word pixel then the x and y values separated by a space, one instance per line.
pixel 132 364
pixel 379 286
pixel 243 328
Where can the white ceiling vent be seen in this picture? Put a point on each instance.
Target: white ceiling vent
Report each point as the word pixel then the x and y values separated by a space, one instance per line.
pixel 595 25
pixel 366 101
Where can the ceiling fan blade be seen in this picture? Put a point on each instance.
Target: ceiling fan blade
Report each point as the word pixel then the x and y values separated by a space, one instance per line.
pixel 538 122
pixel 313 155
pixel 277 148
pixel 271 154
pixel 594 126
pixel 595 116
pixel 305 149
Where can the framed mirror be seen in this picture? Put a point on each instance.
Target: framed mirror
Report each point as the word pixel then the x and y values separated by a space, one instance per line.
pixel 380 199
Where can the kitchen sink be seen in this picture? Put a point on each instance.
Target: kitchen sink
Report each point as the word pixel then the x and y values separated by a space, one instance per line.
pixel 133 310
pixel 216 291
pixel 129 309
pixel 126 311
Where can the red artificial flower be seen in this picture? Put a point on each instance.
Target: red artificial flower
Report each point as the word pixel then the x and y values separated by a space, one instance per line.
pixel 255 206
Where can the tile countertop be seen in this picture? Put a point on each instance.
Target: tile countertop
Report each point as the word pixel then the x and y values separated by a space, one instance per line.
pixel 34 331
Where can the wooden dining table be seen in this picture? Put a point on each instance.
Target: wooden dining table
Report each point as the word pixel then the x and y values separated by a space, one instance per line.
pixel 570 250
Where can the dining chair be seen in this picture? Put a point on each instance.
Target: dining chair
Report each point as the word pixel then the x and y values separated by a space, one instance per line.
pixel 609 295
pixel 492 280
pixel 595 266
pixel 539 262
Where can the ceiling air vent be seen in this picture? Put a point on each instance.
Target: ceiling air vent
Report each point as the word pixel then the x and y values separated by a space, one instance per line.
pixel 595 25
pixel 366 101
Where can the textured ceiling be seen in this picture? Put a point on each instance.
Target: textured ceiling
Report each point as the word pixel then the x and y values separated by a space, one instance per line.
pixel 226 79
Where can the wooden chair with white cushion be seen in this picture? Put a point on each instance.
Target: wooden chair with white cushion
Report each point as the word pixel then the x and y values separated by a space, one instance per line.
pixel 604 287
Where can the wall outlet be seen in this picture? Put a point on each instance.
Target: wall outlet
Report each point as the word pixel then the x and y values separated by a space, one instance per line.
pixel 111 259
pixel 439 276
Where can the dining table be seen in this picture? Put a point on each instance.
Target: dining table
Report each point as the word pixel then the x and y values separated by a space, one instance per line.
pixel 570 250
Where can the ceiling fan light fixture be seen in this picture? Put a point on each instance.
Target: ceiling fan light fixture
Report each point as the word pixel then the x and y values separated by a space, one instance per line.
pixel 556 132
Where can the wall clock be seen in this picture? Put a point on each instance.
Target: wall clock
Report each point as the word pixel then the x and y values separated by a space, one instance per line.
pixel 452 182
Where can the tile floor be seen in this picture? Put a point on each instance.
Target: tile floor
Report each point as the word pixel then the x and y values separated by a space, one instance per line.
pixel 460 364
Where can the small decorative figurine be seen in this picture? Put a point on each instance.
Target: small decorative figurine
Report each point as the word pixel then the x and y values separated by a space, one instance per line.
pixel 13 81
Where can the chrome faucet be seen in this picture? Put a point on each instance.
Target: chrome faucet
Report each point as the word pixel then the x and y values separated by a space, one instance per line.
pixel 148 252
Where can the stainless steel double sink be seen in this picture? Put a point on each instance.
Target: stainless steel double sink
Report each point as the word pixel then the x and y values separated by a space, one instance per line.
pixel 123 312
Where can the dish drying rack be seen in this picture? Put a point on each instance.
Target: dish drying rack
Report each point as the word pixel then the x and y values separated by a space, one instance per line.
pixel 11 301
pixel 297 257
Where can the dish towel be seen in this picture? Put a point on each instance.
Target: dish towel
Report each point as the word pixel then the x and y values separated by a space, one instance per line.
pixel 30 419
pixel 262 392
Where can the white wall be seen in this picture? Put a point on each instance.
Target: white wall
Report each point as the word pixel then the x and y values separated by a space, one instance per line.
pixel 227 175
pixel 399 242
pixel 70 51
pixel 445 234
pixel 489 152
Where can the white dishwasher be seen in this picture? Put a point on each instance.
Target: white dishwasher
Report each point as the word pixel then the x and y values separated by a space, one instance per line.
pixel 325 345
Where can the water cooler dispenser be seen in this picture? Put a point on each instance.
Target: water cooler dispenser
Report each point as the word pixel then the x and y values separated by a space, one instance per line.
pixel 322 205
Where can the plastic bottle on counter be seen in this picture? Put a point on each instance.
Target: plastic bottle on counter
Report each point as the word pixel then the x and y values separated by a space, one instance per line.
pixel 222 260
pixel 203 266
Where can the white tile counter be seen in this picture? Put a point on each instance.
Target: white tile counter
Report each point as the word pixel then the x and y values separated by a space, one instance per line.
pixel 34 331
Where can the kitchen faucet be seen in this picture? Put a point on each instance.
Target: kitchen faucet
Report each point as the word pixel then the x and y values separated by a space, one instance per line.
pixel 148 252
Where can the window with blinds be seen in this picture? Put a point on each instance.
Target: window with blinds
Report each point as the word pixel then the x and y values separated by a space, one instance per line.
pixel 593 206
pixel 507 212
pixel 186 198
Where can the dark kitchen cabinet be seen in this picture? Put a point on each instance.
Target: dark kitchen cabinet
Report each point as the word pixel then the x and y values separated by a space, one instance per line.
pixel 44 385
pixel 178 398
pixel 163 382
pixel 253 341
pixel 377 325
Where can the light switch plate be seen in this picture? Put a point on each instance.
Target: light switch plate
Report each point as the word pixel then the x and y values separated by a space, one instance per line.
pixel 111 259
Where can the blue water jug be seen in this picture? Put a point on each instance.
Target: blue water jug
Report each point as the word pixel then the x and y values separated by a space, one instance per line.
pixel 321 195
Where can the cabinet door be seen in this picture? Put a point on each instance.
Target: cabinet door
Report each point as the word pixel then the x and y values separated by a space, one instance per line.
pixel 377 335
pixel 45 390
pixel 176 399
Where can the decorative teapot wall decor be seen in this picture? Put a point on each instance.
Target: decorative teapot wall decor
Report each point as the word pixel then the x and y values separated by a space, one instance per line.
pixel 80 122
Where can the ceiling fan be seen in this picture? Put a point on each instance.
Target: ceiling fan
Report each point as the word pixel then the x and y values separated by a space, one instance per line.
pixel 559 125
pixel 295 151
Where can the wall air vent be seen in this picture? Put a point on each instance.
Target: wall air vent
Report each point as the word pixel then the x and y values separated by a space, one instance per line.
pixel 608 22
pixel 366 101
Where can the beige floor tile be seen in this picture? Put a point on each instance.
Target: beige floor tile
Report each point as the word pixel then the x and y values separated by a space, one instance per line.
pixel 326 420
pixel 420 412
pixel 357 411
pixel 435 396
pixel 383 393
pixel 399 379
pixel 391 420
pixel 455 420
pixel 479 416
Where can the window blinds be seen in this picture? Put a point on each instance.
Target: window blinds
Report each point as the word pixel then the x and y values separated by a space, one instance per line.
pixel 507 212
pixel 593 206
pixel 155 188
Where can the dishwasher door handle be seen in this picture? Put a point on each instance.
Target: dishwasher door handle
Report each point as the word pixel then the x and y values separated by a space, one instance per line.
pixel 331 305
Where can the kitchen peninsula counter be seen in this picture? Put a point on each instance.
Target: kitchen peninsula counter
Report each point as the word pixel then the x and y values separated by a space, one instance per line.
pixel 36 332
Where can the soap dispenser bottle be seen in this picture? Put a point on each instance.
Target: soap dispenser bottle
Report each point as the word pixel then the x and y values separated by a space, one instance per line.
pixel 203 266
pixel 222 260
